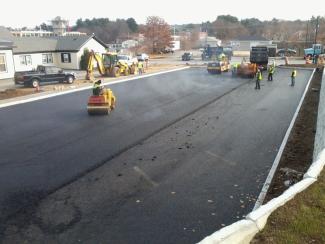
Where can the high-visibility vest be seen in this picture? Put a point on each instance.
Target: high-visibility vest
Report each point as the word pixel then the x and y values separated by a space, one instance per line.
pixel 259 75
pixel 271 69
pixel 294 73
pixel 140 65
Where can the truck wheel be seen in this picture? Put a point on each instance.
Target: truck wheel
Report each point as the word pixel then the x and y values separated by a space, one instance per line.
pixel 132 69
pixel 126 72
pixel 35 83
pixel 116 72
pixel 70 79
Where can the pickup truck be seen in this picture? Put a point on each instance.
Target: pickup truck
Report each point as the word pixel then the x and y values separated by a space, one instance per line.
pixel 44 74
pixel 127 59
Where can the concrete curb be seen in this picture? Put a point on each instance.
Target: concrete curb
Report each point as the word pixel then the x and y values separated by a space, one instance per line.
pixel 246 228
pixel 291 67
pixel 243 231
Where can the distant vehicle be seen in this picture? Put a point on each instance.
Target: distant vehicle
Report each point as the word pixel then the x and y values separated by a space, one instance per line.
pixel 44 74
pixel 142 57
pixel 210 53
pixel 286 52
pixel 187 56
pixel 316 50
pixel 127 59
pixel 259 56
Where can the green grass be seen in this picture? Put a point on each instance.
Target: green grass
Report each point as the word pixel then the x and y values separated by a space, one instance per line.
pixel 301 220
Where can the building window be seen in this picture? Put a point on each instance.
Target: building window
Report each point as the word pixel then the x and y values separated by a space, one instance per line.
pixel 3 64
pixel 25 59
pixel 47 58
pixel 65 57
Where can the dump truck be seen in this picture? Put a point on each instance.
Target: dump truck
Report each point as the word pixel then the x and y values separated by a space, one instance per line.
pixel 259 56
pixel 316 50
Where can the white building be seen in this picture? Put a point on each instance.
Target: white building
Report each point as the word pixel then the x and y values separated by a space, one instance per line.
pixel 64 52
pixel 176 43
pixel 7 68
pixel 60 28
pixel 244 43
pixel 129 44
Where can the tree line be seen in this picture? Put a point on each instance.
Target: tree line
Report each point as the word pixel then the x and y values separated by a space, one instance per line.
pixel 157 32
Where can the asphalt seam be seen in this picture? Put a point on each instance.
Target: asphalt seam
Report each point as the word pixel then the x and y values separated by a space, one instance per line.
pixel 277 159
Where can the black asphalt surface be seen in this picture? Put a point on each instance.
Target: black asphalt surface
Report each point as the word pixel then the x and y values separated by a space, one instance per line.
pixel 48 143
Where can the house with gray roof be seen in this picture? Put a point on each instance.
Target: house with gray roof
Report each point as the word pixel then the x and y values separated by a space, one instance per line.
pixel 244 43
pixel 7 68
pixel 61 51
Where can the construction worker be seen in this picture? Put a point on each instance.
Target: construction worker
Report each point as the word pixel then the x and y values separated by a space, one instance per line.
pixel 140 67
pixel 258 79
pixel 293 77
pixel 234 69
pixel 271 72
pixel 97 88
pixel 221 57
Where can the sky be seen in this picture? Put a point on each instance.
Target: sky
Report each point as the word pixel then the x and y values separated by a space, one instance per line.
pixel 34 12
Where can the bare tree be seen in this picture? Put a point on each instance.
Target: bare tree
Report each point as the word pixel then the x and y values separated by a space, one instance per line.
pixel 157 34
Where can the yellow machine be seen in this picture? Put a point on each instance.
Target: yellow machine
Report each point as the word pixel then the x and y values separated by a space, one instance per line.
pixel 246 70
pixel 108 65
pixel 102 104
pixel 219 66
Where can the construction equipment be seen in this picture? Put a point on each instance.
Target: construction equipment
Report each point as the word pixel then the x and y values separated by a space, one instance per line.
pixel 219 66
pixel 246 70
pixel 315 50
pixel 102 104
pixel 259 56
pixel 108 65
pixel 210 53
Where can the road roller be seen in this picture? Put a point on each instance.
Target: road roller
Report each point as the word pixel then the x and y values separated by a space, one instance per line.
pixel 101 104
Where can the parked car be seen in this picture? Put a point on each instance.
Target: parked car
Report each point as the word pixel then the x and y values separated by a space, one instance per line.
pixel 286 52
pixel 142 57
pixel 127 59
pixel 187 56
pixel 44 74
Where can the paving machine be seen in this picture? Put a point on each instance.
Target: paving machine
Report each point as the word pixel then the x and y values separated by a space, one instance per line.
pixel 108 65
pixel 246 70
pixel 101 104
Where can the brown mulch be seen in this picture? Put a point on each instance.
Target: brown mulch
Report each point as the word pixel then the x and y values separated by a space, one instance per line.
pixel 298 153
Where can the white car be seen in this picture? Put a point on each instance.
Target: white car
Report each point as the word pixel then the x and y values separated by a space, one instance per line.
pixel 127 59
pixel 142 57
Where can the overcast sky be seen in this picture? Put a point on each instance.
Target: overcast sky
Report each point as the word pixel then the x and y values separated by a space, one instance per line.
pixel 20 13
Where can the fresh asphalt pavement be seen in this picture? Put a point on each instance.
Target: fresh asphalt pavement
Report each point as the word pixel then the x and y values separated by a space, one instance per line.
pixel 51 142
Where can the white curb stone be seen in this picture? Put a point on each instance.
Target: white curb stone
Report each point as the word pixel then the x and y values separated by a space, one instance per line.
pixel 260 215
pixel 315 169
pixel 240 232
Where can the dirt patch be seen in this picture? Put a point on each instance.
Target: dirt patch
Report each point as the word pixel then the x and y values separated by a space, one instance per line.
pixel 10 93
pixel 23 91
pixel 298 153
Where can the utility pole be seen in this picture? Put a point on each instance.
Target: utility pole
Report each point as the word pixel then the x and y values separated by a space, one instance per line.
pixel 316 33
pixel 307 34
